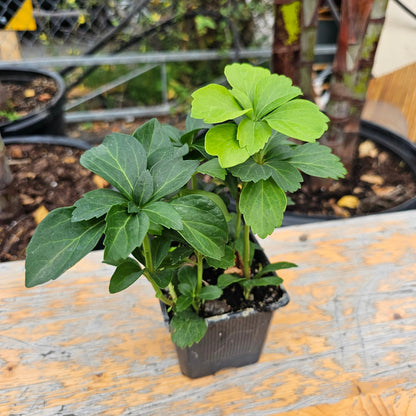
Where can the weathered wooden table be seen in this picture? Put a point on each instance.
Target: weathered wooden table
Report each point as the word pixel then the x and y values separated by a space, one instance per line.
pixel 345 345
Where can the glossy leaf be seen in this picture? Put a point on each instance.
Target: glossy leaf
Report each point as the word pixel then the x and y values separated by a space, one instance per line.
pixel 204 225
pixel 317 160
pixel 58 243
pixel 123 233
pixel 253 135
pixel 222 141
pixel 163 277
pixel 300 119
pixel 120 159
pixel 125 275
pixel 155 140
pixel 227 260
pixel 263 204
pixel 162 213
pixel 215 104
pixel 96 203
pixel 143 188
pixel 170 176
pixel 187 328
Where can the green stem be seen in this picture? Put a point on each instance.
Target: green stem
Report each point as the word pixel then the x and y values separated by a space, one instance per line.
pixel 200 270
pixel 194 182
pixel 246 252
pixel 159 293
pixel 147 251
pixel 238 218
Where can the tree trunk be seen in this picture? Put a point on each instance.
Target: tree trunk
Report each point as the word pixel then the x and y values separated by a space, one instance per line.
pixel 295 32
pixel 359 33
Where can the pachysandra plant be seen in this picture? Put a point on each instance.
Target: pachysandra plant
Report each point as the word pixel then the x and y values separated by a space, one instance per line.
pixel 159 224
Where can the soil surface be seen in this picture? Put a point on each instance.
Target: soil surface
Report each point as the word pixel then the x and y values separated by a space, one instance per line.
pixel 45 177
pixel 19 99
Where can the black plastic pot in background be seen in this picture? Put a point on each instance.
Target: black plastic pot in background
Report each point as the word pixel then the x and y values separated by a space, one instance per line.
pixel 49 119
pixel 391 141
pixel 233 339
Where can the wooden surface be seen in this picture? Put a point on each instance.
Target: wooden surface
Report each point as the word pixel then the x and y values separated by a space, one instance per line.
pixel 391 101
pixel 345 345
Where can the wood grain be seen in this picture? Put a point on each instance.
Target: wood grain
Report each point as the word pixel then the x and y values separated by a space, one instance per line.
pixel 345 345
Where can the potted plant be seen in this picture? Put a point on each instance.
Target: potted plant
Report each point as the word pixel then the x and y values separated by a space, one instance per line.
pixel 197 253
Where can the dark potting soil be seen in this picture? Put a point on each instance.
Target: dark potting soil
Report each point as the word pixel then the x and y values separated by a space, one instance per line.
pixel 45 177
pixel 21 98
pixel 380 181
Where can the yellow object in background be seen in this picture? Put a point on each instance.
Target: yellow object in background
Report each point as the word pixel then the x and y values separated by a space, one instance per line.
pixel 18 15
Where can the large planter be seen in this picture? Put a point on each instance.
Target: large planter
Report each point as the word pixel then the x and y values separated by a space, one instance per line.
pixel 391 141
pixel 232 339
pixel 49 119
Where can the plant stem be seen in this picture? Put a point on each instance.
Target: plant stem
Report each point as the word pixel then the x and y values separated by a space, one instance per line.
pixel 200 269
pixel 147 251
pixel 159 293
pixel 194 182
pixel 238 218
pixel 246 252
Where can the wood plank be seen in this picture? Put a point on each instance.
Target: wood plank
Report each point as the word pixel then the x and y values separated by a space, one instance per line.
pixel 343 346
pixel 9 46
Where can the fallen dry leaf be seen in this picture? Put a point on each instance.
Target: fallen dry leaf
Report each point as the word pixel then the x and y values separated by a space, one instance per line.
pixel 234 270
pixel 348 201
pixel 373 179
pixel 29 93
pixel 40 213
pixel 100 182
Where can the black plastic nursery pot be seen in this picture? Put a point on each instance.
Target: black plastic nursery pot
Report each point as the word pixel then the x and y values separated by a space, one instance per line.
pixel 233 339
pixel 391 141
pixel 47 120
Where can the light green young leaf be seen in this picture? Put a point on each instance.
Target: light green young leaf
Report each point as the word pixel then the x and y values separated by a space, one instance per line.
pixel 155 140
pixel 187 328
pixel 317 160
pixel 123 233
pixel 204 225
pixel 96 203
pixel 222 141
pixel 273 92
pixel 120 160
pixel 58 244
pixel 263 204
pixel 253 135
pixel 244 77
pixel 170 176
pixel 212 168
pixel 160 212
pixel 243 99
pixel 299 119
pixel 125 275
pixel 215 104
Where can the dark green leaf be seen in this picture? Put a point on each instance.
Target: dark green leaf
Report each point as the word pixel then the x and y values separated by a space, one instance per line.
pixel 163 213
pixel 212 168
pixel 228 260
pixel 251 171
pixel 125 275
pixel 162 278
pixel 160 249
pixel 183 303
pixel 188 275
pixel 58 243
pixel 317 160
pixel 169 177
pixel 120 160
pixel 177 257
pixel 262 281
pixel 263 204
pixel 155 141
pixel 96 203
pixel 124 232
pixel 204 225
pixel 210 293
pixel 273 267
pixel 284 174
pixel 143 188
pixel 187 328
pixel 226 280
